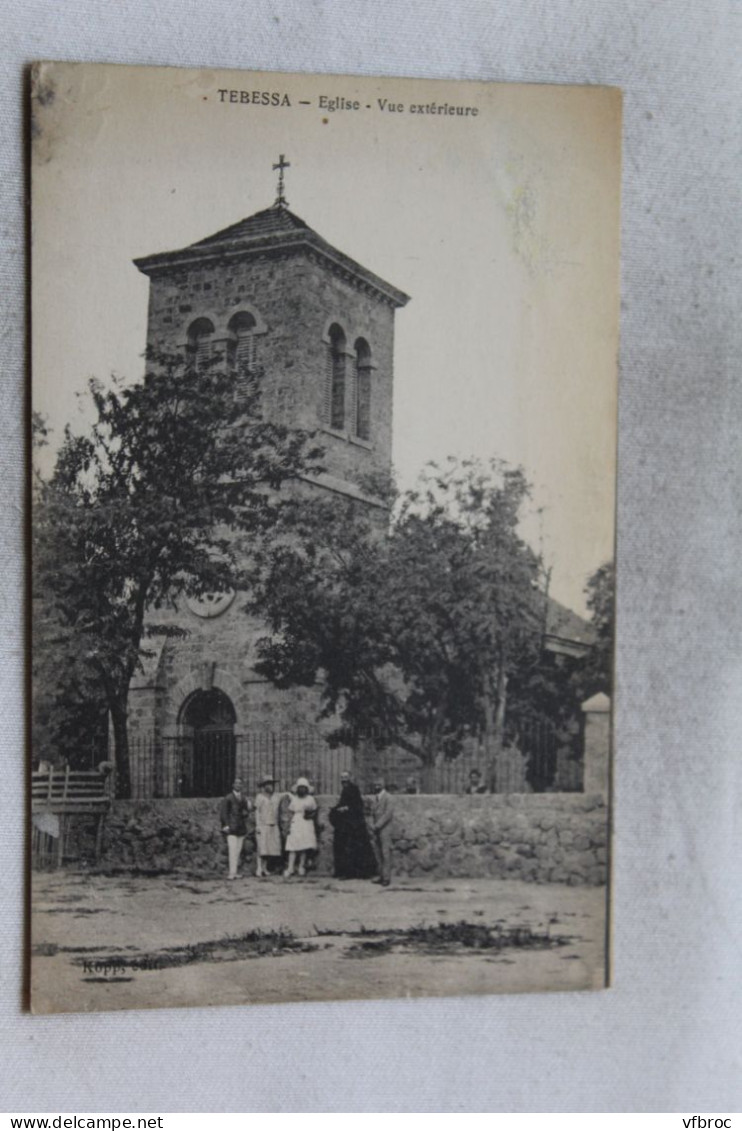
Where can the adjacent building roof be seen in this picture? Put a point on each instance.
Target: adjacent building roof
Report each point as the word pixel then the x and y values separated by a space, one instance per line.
pixel 566 631
pixel 275 230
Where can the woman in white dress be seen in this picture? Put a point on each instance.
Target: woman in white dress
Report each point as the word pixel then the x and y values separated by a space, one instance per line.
pixel 302 836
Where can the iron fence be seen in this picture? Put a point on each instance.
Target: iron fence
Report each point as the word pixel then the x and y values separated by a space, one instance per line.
pixel 528 763
pixel 206 764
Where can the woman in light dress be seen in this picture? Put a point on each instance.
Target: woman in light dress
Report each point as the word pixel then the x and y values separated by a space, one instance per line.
pixel 302 838
pixel 267 826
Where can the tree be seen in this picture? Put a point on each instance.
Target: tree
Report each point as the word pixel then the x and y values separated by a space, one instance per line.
pixel 154 502
pixel 68 701
pixel 596 673
pixel 318 582
pixel 414 632
pixel 69 704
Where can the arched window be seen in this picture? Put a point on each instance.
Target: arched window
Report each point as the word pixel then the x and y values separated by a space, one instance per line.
pixel 335 379
pixel 363 389
pixel 199 346
pixel 242 339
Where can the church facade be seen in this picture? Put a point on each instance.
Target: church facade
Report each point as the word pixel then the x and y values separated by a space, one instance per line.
pixel 271 294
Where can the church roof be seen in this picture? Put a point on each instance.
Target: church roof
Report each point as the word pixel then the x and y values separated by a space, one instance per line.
pixel 273 230
pixel 270 222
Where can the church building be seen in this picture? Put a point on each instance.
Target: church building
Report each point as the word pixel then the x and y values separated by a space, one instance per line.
pixel 269 293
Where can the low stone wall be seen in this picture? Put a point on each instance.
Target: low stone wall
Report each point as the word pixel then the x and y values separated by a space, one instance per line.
pixel 550 837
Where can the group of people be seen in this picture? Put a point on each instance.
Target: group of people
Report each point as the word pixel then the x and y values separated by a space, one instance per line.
pixel 287 829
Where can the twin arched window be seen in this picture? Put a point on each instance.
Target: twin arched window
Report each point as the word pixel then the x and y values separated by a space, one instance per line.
pixel 347 405
pixel 348 380
pixel 238 347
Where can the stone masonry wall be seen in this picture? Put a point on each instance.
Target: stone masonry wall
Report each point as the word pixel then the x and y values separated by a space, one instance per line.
pixel 557 838
pixel 296 298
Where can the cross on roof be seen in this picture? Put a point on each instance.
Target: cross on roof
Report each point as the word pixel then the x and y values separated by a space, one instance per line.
pixel 281 201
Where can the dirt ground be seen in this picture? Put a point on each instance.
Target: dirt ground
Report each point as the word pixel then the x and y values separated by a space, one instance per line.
pixel 94 936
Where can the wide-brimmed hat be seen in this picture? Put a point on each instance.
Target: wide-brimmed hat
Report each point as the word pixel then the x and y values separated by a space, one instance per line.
pixel 268 780
pixel 298 782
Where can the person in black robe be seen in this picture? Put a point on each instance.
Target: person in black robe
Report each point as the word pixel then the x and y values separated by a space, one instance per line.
pixel 354 856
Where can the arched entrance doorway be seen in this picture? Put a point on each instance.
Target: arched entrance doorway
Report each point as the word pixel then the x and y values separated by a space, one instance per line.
pixel 207 721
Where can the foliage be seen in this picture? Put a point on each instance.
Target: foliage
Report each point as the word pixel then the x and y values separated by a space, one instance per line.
pixel 596 672
pixel 554 688
pixel 68 702
pixel 153 503
pixel 412 634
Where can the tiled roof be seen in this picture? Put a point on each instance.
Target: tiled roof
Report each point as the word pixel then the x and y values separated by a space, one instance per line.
pixel 270 222
pixel 271 231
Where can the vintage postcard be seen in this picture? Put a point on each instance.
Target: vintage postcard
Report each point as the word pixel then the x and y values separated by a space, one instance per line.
pixel 324 416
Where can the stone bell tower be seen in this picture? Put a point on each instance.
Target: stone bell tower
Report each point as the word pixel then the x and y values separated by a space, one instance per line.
pixel 318 327
pixel 270 292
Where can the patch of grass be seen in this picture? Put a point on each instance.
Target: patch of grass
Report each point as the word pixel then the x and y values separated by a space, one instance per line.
pixel 231 948
pixel 371 948
pixel 71 911
pixel 451 938
pixel 49 949
pixel 91 949
pixel 76 911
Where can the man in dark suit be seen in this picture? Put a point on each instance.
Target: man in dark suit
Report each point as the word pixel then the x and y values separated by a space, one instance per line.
pixel 382 815
pixel 233 813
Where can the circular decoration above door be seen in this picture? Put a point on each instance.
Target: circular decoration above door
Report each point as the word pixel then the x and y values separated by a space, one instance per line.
pixel 210 605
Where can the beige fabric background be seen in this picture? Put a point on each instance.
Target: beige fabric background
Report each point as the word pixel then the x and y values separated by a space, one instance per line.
pixel 667 1037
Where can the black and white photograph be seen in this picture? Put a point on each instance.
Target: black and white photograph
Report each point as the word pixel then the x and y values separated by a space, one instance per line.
pixel 323 507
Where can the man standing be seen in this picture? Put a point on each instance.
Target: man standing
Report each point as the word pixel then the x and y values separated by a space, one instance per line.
pixel 233 813
pixel 382 815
